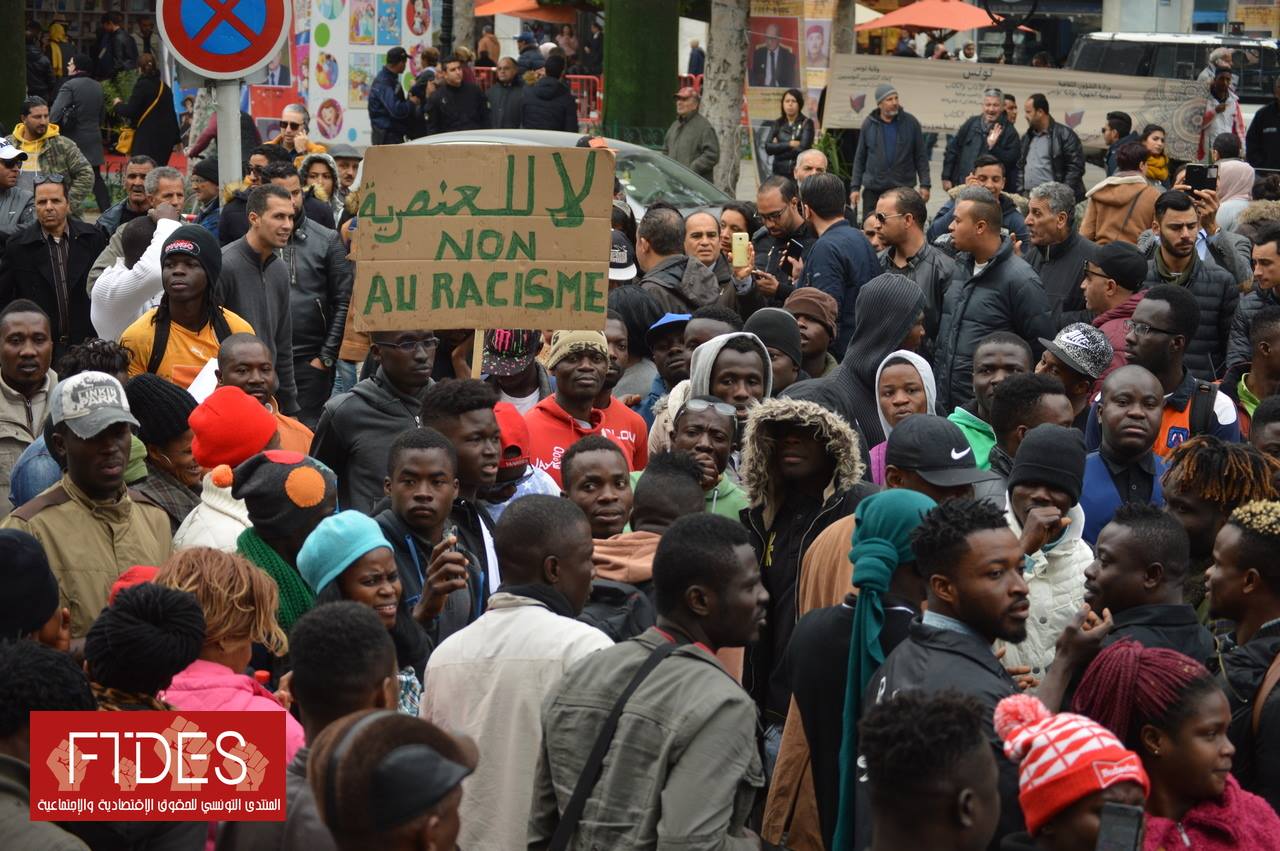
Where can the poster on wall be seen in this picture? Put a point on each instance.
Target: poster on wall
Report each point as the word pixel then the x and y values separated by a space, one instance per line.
pixel 348 44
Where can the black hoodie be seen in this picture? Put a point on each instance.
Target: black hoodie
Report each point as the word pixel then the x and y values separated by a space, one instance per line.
pixel 887 308
pixel 549 105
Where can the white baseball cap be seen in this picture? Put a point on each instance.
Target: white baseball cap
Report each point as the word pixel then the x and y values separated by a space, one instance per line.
pixel 9 152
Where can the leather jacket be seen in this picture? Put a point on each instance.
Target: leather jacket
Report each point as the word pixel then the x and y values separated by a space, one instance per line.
pixel 320 278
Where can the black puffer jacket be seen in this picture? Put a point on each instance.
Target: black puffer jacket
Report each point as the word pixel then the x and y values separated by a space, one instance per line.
pixel 1239 350
pixel 1006 296
pixel 1066 154
pixel 1240 671
pixel 1217 296
pixel 549 105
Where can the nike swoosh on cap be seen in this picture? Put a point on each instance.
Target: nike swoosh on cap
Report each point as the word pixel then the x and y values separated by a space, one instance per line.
pixel 956 456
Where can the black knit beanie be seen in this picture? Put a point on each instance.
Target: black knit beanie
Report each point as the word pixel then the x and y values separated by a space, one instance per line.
pixel 161 407
pixel 200 244
pixel 144 638
pixel 30 589
pixel 777 329
pixel 1052 455
pixel 282 488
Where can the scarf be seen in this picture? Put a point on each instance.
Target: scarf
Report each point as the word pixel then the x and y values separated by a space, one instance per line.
pixel 881 541
pixel 115 700
pixel 1158 167
pixel 544 594
pixel 296 599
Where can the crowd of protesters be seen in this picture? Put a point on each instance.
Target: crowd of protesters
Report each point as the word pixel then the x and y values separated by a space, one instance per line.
pixel 901 534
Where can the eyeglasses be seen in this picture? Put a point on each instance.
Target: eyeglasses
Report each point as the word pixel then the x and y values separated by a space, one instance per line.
pixel 882 218
pixel 410 346
pixel 290 125
pixel 1142 329
pixel 775 216
pixel 1089 273
pixel 49 177
pixel 697 406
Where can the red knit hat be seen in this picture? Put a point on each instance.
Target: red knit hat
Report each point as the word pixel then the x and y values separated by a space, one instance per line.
pixel 229 427
pixel 135 575
pixel 515 435
pixel 1063 757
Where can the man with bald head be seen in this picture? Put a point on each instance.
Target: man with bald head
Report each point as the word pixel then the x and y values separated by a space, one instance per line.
pixel 1124 468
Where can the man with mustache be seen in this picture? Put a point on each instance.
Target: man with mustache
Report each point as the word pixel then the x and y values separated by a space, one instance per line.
pixel 972 563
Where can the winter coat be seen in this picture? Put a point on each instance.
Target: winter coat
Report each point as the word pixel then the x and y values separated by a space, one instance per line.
pixel 549 105
pixel 888 307
pixel 354 435
pixel 1119 208
pixel 840 264
pixel 216 522
pixel 206 686
pixel 686 716
pixel 970 142
pixel 1262 142
pixel 932 269
pixel 1055 588
pixel 505 104
pixel 1240 669
pixel 1011 218
pixel 17 829
pixel 80 111
pixel 1239 349
pixel 1255 216
pixel 1061 269
pixel 1238 821
pixel 934 660
pixel 461 108
pixel 1066 157
pixel 21 422
pixel 878 169
pixel 488 681
pixel 334 201
pixel 1111 323
pixel 1217 296
pixel 156 134
pixel 839 499
pixel 388 108
pixel 778 145
pixel 1230 250
pixel 681 284
pixel 320 278
pixel 258 291
pixel 17 210
pixel 692 142
pixel 1006 296
pixel 55 154
pixel 26 271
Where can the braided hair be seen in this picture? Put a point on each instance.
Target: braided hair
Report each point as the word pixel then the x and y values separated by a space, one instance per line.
pixel 1259 525
pixel 1228 474
pixel 1129 686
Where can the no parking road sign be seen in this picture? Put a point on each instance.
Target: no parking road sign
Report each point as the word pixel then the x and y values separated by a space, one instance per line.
pixel 224 39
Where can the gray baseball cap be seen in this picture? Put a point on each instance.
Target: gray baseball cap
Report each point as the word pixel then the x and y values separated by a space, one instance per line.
pixel 90 403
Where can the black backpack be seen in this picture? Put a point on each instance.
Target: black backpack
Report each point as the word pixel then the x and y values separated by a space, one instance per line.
pixel 619 610
pixel 1200 418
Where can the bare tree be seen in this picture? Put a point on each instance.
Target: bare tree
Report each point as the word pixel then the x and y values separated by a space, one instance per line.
pixel 845 39
pixel 722 85
pixel 464 24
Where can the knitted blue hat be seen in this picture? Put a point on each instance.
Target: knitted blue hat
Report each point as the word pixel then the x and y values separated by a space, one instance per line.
pixel 335 545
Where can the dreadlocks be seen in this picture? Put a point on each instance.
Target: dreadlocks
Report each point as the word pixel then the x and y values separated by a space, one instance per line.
pixel 1129 686
pixel 1259 525
pixel 1228 474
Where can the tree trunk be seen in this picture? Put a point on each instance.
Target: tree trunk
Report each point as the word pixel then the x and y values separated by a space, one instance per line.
pixel 844 39
pixel 640 69
pixel 722 85
pixel 464 24
pixel 13 82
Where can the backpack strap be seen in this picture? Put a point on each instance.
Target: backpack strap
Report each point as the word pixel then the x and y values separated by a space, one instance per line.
pixel 595 761
pixel 1201 416
pixel 1132 204
pixel 1264 691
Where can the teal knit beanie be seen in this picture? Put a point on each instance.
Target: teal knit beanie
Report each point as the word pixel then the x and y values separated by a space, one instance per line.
pixel 335 545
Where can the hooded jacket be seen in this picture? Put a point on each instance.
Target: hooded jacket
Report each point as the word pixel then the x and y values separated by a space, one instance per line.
pixel 1005 296
pixel 932 269
pixel 1217 296
pixel 549 105
pixel 354 432
pixel 1061 269
pixel 931 405
pixel 1055 588
pixel 783 569
pixel 1111 323
pixel 887 309
pixel 878 169
pixel 54 153
pixel 335 200
pixel 552 430
pixel 699 384
pixel 1119 209
pixel 681 284
pixel 320 279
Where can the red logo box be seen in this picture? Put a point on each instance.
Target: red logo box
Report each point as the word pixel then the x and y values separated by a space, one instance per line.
pixel 157 766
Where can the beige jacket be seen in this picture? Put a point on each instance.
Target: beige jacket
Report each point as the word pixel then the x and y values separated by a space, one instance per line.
pixel 89 544
pixel 21 420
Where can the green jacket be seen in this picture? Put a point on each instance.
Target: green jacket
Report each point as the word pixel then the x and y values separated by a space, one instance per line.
pixel 979 434
pixel 692 142
pixel 56 154
pixel 727 499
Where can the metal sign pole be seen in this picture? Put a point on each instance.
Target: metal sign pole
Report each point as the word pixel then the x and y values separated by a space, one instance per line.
pixel 229 153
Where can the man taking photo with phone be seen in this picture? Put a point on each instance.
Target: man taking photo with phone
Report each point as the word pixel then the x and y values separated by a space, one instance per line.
pixel 785 235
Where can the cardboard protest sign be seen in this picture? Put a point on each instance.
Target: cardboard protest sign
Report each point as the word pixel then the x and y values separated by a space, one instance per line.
pixel 941 95
pixel 483 236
